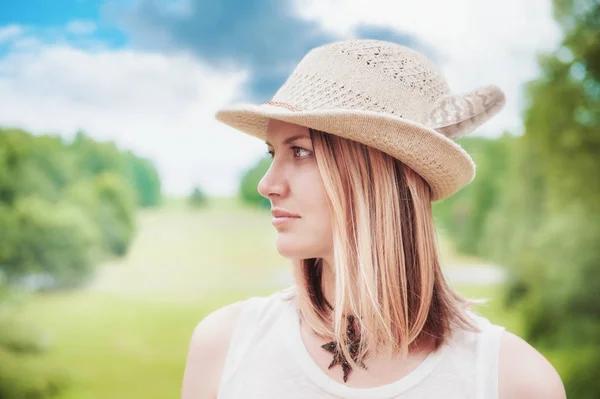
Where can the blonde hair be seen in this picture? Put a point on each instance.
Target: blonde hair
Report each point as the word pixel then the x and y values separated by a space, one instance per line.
pixel 386 261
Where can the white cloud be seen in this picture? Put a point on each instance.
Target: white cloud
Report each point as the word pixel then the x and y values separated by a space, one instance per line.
pixel 160 106
pixel 81 27
pixel 10 32
pixel 481 42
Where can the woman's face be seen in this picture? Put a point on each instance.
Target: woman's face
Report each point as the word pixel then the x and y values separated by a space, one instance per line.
pixel 293 184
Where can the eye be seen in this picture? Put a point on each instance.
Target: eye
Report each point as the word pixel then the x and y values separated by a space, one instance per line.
pixel 301 149
pixel 296 149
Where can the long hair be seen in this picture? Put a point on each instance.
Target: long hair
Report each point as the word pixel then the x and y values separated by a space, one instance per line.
pixel 386 261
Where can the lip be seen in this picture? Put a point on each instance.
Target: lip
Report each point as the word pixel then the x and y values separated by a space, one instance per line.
pixel 282 217
pixel 280 221
pixel 282 213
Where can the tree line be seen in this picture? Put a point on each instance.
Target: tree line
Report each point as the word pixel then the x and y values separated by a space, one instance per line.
pixel 67 205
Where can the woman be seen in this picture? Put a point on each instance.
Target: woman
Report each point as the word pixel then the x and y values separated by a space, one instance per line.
pixel 361 136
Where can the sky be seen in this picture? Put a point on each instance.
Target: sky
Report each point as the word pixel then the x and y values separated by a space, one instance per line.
pixel 150 74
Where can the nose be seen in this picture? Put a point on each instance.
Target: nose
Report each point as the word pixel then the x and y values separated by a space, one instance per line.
pixel 273 182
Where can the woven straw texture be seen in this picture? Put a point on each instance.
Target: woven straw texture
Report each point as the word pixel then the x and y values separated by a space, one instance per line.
pixel 384 95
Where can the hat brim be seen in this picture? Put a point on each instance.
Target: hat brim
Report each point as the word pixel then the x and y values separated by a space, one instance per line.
pixel 444 164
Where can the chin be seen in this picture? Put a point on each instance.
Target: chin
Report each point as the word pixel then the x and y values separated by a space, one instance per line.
pixel 292 248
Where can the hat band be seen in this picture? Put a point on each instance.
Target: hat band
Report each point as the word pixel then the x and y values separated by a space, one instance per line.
pixel 282 104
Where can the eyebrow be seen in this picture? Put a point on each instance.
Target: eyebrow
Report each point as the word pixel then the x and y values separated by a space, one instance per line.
pixel 291 139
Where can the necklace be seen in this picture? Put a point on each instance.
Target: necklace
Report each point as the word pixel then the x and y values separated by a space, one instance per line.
pixel 352 345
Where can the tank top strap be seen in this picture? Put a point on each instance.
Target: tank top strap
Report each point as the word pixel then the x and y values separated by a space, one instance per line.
pixel 487 360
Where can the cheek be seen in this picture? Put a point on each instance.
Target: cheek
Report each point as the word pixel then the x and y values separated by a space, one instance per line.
pixel 312 236
pixel 318 212
pixel 313 200
pixel 317 223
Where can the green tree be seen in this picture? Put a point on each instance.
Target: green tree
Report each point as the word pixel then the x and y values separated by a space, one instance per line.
pixel 22 373
pixel 464 215
pixel 197 198
pixel 32 166
pixel 94 158
pixel 250 179
pixel 146 181
pixel 115 211
pixel 106 183
pixel 43 238
pixel 547 225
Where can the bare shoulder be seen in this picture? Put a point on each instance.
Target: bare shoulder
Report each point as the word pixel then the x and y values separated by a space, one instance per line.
pixel 526 373
pixel 207 351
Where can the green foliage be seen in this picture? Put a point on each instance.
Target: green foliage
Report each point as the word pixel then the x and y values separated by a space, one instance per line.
pixel 541 217
pixel 20 378
pixel 198 198
pixel 16 337
pixel 464 214
pixel 23 374
pixel 51 191
pixel 93 158
pixel 535 204
pixel 32 166
pixel 115 211
pixel 110 204
pixel 249 183
pixel 146 181
pixel 558 278
pixel 40 237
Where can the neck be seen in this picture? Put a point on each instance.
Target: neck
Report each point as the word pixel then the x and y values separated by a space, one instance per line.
pixel 328 281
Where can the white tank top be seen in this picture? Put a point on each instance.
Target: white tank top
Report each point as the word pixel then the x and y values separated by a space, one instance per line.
pixel 267 359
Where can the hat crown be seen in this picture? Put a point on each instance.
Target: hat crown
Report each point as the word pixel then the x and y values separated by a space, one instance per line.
pixel 368 75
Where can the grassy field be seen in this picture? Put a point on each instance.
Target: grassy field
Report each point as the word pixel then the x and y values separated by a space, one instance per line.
pixel 126 335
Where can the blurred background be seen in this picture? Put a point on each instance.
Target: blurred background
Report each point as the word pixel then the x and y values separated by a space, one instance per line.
pixel 127 213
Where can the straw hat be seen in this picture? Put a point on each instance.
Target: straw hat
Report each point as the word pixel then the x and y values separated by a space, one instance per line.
pixel 384 95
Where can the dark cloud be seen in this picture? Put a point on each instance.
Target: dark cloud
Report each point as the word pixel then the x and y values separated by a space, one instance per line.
pixel 262 36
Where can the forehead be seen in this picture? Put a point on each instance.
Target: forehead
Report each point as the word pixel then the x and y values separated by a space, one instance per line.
pixel 278 131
